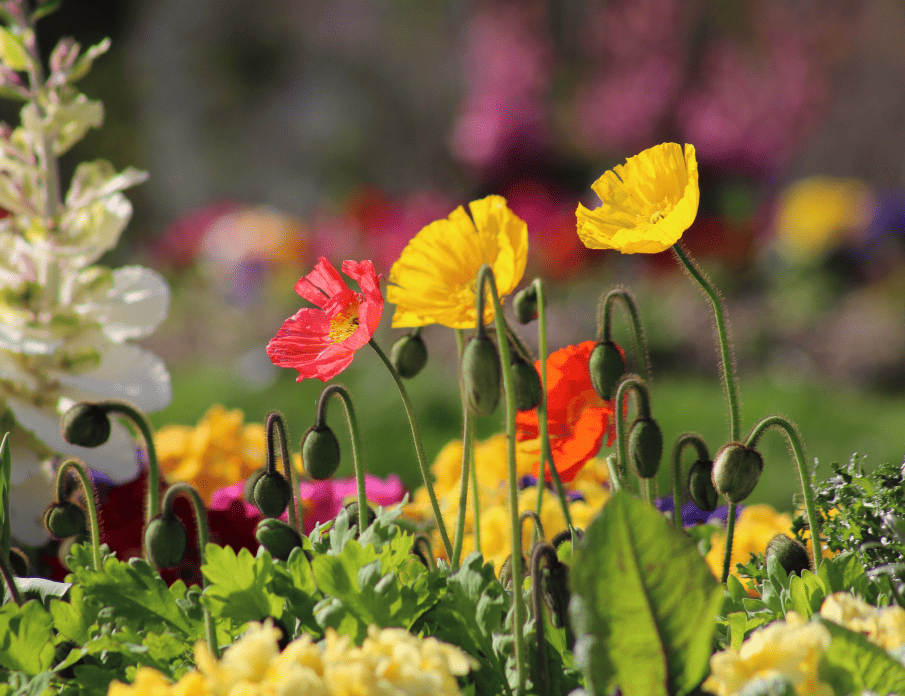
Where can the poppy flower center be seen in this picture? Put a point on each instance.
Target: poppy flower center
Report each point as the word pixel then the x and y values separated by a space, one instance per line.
pixel 344 324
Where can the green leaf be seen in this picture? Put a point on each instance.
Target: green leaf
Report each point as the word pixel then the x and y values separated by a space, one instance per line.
pixel 44 8
pixel 12 50
pixel 6 470
pixel 644 603
pixel 72 619
pixel 239 586
pixel 26 635
pixel 42 589
pixel 853 664
pixel 807 592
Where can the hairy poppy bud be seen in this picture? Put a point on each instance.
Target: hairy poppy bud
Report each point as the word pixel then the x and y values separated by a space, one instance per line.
pixel 86 425
pixel 526 383
pixel 409 355
pixel 736 471
pixel 645 447
pixel 482 375
pixel 352 512
pixel 525 305
pixel 606 366
pixel 248 490
pixel 700 485
pixel 320 453
pixel 272 494
pixel 791 554
pixel 166 541
pixel 277 537
pixel 64 519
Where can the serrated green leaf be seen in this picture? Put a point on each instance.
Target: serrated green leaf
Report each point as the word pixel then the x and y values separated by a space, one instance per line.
pixel 239 586
pixel 26 635
pixel 853 657
pixel 644 603
pixel 807 592
pixel 73 618
pixel 737 622
pixel 12 50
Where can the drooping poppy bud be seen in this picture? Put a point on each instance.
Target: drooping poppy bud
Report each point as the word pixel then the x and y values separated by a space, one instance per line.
pixel 64 519
pixel 481 375
pixel 645 447
pixel 86 425
pixel 700 485
pixel 526 383
pixel 248 490
pixel 506 571
pixel 272 494
pixel 166 541
pixel 409 355
pixel 791 554
pixel 736 471
pixel 277 537
pixel 320 453
pixel 607 367
pixel 525 305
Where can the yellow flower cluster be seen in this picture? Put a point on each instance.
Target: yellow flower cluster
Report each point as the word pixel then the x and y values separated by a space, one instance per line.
pixel 390 662
pixel 789 649
pixel 884 627
pixel 492 475
pixel 220 451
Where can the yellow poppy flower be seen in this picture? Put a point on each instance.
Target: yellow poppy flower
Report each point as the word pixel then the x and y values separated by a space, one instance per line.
pixel 434 280
pixel 646 203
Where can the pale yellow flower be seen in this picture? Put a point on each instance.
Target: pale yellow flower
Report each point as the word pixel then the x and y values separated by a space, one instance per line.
pixel 434 280
pixel 882 626
pixel 790 649
pixel 646 203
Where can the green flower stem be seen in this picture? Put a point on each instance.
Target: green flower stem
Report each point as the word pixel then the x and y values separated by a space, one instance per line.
pixel 10 579
pixel 485 278
pixel 201 526
pixel 722 333
pixel 541 552
pixel 604 326
pixel 352 423
pixel 684 441
pixel 557 484
pixel 419 449
pixel 534 517
pixel 276 424
pixel 475 499
pixel 421 546
pixel 730 534
pixel 640 390
pixel 615 483
pixel 467 461
pixel 133 414
pixel 85 482
pixel 807 491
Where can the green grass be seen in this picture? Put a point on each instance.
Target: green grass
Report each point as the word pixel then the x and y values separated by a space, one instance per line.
pixel 833 422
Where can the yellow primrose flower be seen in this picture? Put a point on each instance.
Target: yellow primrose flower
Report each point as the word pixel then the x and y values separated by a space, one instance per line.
pixel 434 280
pixel 646 203
pixel 790 649
pixel 882 626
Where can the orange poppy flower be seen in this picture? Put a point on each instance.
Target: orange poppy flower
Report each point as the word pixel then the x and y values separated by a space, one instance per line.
pixel 577 418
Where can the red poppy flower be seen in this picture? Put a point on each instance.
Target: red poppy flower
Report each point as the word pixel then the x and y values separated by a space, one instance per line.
pixel 577 418
pixel 322 342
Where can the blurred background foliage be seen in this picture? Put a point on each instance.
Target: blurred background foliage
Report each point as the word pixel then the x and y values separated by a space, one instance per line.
pixel 279 131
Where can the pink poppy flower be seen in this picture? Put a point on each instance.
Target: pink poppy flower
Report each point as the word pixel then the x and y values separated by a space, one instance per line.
pixel 322 342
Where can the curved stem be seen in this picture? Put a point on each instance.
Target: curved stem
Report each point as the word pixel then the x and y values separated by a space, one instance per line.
pixel 486 278
pixel 534 517
pixel 426 553
pixel 201 526
pixel 615 483
pixel 276 424
pixel 540 552
pixel 10 578
pixel 467 461
pixel 604 324
pixel 730 535
pixel 640 390
pixel 685 439
pixel 806 490
pixel 90 504
pixel 141 423
pixel 729 382
pixel 352 423
pixel 419 448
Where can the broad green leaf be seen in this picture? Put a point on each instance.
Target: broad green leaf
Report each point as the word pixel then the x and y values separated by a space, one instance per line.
pixel 807 593
pixel 239 586
pixel 853 664
pixel 26 635
pixel 12 50
pixel 644 603
pixel 72 619
pixel 42 589
pixel 737 622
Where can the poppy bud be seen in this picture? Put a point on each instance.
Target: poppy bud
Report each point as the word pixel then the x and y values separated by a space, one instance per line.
pixel 320 453
pixel 736 471
pixel 555 586
pixel 506 571
pixel 248 490
pixel 86 425
pixel 352 512
pixel 166 541
pixel 277 537
pixel 64 519
pixel 526 383
pixel 272 494
pixel 700 485
pixel 481 375
pixel 645 447
pixel 409 355
pixel 791 554
pixel 607 366
pixel 525 305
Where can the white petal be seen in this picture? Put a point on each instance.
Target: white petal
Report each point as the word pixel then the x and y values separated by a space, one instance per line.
pixel 133 307
pixel 27 501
